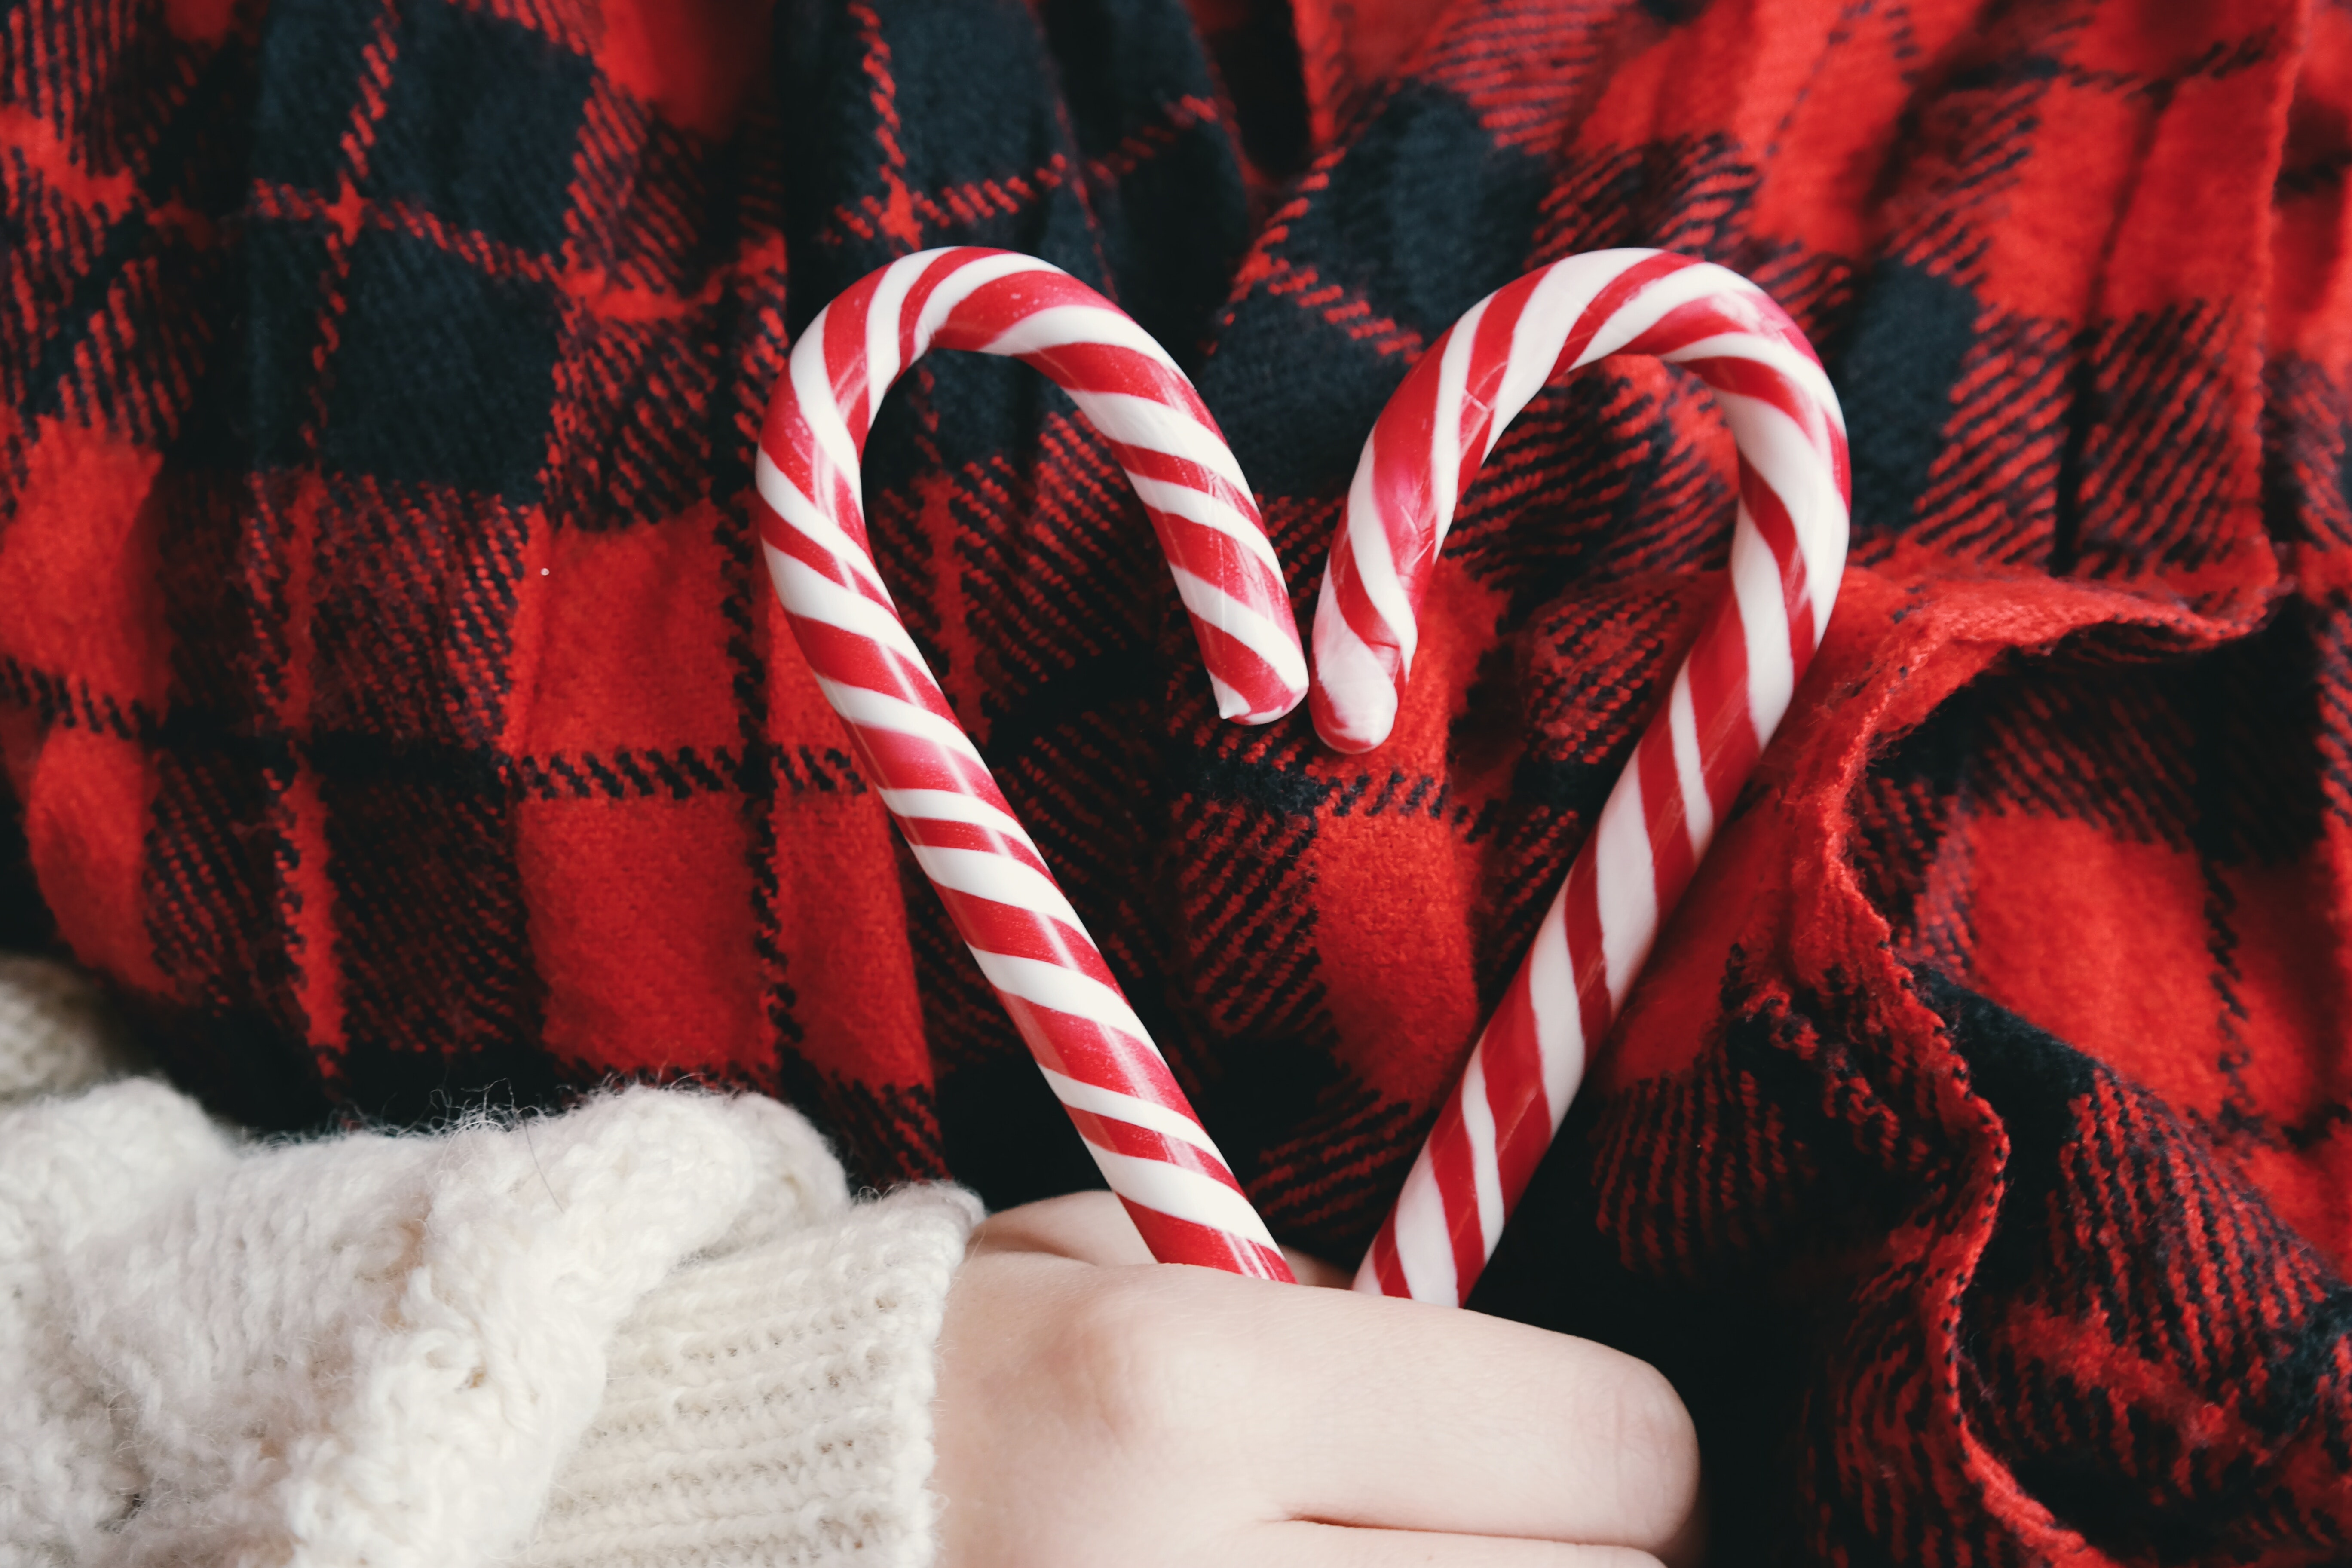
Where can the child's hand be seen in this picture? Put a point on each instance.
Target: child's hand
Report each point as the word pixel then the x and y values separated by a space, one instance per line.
pixel 1093 1412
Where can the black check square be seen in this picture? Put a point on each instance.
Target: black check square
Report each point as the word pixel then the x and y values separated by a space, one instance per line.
pixel 445 373
pixel 481 125
pixel 311 54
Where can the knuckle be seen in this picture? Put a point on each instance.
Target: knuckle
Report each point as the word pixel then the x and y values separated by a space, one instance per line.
pixel 1132 1364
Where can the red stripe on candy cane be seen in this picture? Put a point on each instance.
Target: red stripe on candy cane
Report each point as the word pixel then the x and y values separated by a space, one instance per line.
pixel 1787 554
pixel 1029 942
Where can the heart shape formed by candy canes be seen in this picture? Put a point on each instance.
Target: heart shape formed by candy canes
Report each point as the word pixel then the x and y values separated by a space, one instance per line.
pixel 1029 942
pixel 1727 698
pixel 1787 552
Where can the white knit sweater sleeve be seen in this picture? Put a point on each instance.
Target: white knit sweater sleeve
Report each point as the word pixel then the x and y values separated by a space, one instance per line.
pixel 653 1329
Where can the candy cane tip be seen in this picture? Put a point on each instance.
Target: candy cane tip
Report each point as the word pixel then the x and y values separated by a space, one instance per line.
pixel 1260 715
pixel 1353 716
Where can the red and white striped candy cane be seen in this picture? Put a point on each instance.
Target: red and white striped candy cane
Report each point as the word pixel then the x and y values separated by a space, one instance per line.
pixel 1788 551
pixel 1030 943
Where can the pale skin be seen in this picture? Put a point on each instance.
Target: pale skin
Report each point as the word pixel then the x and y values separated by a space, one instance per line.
pixel 1096 1407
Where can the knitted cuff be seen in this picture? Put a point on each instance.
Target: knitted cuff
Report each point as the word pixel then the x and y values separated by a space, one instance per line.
pixel 773 1404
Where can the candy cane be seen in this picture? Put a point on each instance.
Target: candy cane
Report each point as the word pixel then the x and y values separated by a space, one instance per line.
pixel 1030 943
pixel 1788 549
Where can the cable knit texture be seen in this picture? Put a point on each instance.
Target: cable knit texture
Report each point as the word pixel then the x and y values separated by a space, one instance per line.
pixel 654 1328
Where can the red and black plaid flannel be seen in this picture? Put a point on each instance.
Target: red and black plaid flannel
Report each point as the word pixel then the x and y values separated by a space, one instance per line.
pixel 392 709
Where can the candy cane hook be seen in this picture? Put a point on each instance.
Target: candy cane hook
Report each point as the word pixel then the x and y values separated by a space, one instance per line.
pixel 1029 942
pixel 1788 551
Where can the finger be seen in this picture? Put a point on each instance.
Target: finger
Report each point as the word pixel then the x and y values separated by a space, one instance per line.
pixel 1407 1417
pixel 1094 1228
pixel 1091 1227
pixel 1299 1543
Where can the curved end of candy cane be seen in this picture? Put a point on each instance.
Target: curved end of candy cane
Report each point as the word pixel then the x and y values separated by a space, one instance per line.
pixel 1260 707
pixel 1262 715
pixel 1354 718
pixel 1354 699
pixel 1255 665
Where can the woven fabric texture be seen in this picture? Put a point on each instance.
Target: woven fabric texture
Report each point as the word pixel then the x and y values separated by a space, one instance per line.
pixel 394 710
